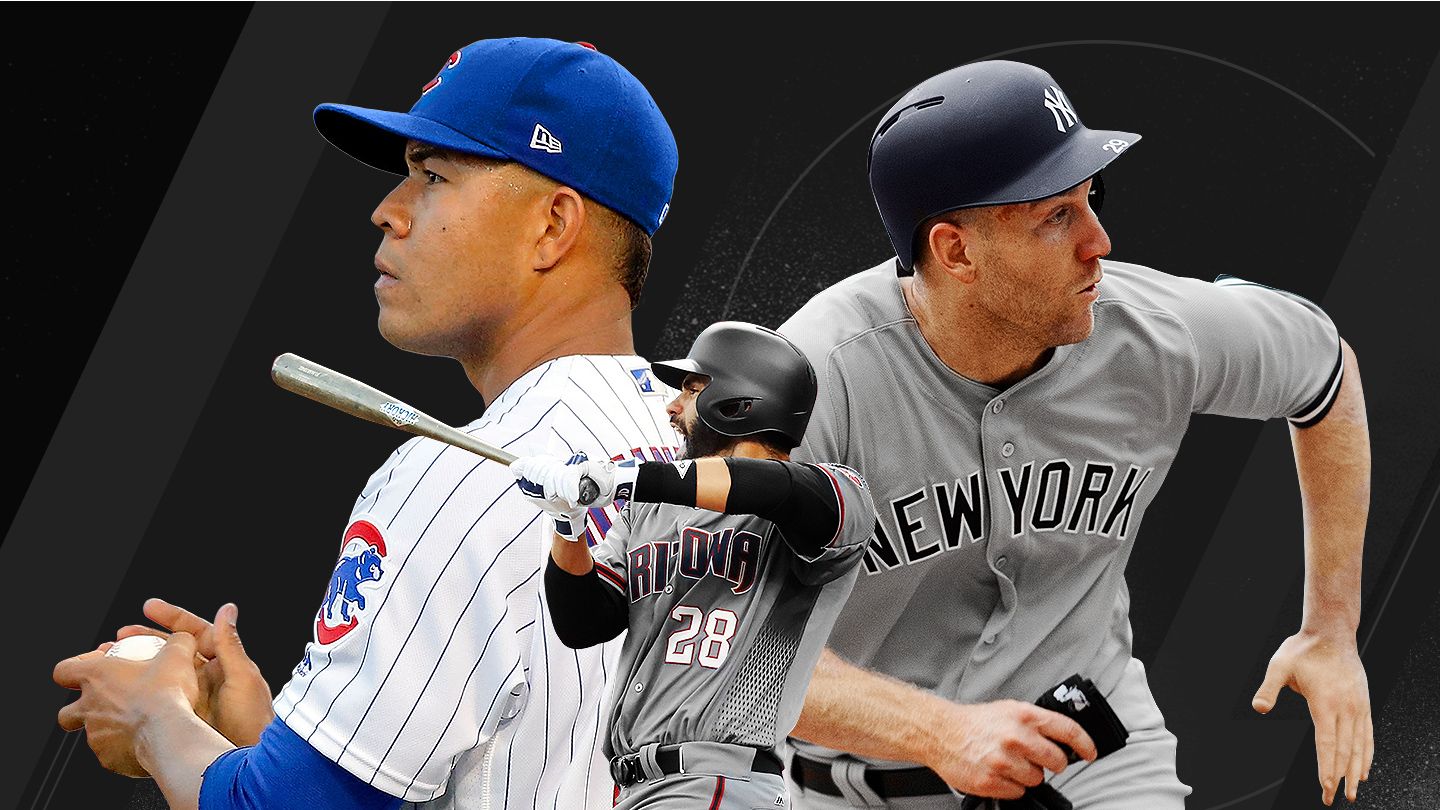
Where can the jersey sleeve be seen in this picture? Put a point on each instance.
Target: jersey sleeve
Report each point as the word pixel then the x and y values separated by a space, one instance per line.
pixel 1261 353
pixel 827 435
pixel 416 655
pixel 853 530
pixel 609 554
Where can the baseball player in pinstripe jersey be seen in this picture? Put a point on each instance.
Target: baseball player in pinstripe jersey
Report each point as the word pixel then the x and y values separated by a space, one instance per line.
pixel 727 568
pixel 1016 400
pixel 535 173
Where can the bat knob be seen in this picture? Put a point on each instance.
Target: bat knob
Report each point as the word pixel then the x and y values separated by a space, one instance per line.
pixel 589 491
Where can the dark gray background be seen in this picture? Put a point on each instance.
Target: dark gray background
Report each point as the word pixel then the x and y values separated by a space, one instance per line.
pixel 176 223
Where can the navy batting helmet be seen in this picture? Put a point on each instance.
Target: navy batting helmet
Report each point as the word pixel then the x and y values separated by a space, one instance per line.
pixel 759 381
pixel 986 133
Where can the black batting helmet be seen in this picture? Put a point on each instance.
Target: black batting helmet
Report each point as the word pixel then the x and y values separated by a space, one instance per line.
pixel 759 381
pixel 986 133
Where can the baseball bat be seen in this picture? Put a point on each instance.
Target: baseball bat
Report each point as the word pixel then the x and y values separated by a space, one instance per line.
pixel 329 387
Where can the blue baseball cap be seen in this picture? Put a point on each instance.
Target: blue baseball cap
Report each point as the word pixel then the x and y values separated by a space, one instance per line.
pixel 563 109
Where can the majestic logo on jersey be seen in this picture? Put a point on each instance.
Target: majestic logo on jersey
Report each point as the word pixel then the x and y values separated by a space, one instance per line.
pixel 644 381
pixel 400 413
pixel 542 140
pixel 729 554
pixel 362 561
pixel 1098 500
pixel 1059 106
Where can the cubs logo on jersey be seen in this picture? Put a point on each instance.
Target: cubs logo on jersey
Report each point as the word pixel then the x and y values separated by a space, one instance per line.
pixel 362 563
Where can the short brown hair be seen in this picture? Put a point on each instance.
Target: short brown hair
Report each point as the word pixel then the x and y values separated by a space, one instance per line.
pixel 630 251
pixel 960 217
pixel 630 246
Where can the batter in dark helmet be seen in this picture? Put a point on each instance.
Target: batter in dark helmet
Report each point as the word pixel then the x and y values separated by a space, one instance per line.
pixel 745 381
pixel 726 569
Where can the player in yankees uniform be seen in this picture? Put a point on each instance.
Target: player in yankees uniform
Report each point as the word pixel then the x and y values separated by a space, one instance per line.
pixel 728 569
pixel 535 172
pixel 1016 401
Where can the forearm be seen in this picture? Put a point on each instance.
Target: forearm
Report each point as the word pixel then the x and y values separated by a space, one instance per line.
pixel 799 498
pixel 862 712
pixel 1332 459
pixel 573 557
pixel 175 747
pixel 584 610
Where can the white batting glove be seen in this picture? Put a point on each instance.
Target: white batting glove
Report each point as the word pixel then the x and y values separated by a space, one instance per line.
pixel 556 485
pixel 542 480
pixel 569 525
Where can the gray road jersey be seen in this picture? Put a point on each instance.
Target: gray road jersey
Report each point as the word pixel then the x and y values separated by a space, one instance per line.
pixel 1005 518
pixel 726 621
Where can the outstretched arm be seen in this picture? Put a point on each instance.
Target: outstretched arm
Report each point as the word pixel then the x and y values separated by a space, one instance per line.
pixel 798 498
pixel 1321 661
pixel 987 749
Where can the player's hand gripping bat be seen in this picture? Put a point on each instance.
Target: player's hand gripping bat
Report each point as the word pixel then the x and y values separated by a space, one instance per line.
pixel 328 387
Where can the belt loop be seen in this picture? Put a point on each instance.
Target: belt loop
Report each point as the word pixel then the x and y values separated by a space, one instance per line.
pixel 648 764
pixel 849 776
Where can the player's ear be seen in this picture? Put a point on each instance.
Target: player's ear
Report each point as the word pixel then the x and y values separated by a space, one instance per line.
pixel 950 249
pixel 564 220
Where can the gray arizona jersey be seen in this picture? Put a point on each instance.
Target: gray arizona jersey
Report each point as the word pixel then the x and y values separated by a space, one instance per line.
pixel 726 620
pixel 1006 517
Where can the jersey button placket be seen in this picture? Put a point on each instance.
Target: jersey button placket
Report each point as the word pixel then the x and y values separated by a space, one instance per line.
pixel 991 424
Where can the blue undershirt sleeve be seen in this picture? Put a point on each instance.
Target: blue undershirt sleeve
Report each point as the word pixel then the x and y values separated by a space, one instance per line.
pixel 282 772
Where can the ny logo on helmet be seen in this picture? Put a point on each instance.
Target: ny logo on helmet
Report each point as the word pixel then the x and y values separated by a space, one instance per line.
pixel 1058 105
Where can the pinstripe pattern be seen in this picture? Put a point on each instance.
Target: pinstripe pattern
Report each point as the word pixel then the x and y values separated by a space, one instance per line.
pixel 452 688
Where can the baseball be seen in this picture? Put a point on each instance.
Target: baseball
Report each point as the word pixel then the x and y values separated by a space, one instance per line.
pixel 136 648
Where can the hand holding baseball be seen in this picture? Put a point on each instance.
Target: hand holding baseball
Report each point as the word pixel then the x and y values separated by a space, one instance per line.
pixel 998 749
pixel 234 697
pixel 118 696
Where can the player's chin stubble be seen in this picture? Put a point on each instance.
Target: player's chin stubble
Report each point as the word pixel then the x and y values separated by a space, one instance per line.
pixel 701 440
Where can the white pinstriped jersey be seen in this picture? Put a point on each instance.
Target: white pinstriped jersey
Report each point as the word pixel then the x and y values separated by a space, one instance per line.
pixel 435 673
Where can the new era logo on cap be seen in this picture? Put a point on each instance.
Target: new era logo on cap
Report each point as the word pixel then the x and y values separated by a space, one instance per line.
pixel 542 139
